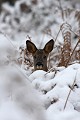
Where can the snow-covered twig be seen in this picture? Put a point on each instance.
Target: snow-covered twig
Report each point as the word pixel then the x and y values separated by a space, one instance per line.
pixel 70 91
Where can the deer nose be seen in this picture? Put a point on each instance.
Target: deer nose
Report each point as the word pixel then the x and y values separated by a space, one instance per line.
pixel 39 65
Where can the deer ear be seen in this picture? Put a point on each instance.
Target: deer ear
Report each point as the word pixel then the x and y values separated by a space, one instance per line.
pixel 31 47
pixel 49 46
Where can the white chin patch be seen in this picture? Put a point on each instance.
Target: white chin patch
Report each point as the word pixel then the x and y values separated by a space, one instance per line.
pixel 39 67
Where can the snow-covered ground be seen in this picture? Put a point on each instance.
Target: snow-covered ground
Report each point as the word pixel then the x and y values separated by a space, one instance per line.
pixel 55 91
pixel 38 95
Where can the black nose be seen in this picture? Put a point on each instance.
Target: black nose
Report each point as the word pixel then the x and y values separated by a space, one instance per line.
pixel 39 64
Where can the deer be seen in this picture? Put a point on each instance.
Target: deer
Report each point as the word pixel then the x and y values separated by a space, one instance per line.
pixel 40 55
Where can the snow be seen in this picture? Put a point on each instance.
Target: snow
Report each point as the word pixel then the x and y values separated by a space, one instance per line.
pixel 36 95
pixel 17 97
pixel 56 89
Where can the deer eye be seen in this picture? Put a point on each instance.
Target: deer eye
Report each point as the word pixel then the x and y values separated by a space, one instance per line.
pixel 44 57
pixel 35 56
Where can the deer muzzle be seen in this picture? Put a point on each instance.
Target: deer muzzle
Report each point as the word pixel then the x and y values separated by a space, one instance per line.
pixel 39 65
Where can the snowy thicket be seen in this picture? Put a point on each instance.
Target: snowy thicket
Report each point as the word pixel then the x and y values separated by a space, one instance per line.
pixel 38 95
pixel 55 90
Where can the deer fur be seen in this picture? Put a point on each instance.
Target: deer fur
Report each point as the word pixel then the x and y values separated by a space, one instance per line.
pixel 40 55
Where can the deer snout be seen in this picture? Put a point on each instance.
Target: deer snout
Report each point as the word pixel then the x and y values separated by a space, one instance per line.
pixel 39 65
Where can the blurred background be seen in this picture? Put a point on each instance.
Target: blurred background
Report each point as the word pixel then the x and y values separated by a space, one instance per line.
pixel 40 21
pixel 36 15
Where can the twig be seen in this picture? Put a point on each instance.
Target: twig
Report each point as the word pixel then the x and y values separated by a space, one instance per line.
pixel 57 34
pixel 28 37
pixel 52 69
pixel 48 32
pixel 70 91
pixel 55 39
pixel 62 12
pixel 73 51
pixel 5 35
pixel 74 33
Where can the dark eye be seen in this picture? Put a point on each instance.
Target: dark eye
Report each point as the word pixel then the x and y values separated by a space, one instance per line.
pixel 35 56
pixel 44 57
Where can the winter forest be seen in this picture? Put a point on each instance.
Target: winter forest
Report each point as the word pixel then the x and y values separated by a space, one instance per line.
pixel 31 32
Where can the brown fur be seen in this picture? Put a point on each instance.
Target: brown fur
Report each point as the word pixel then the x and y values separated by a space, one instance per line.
pixel 40 55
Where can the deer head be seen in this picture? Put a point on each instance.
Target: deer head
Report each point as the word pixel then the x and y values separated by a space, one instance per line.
pixel 40 55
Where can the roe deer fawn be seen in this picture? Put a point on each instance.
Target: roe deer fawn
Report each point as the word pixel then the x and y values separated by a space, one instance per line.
pixel 40 55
